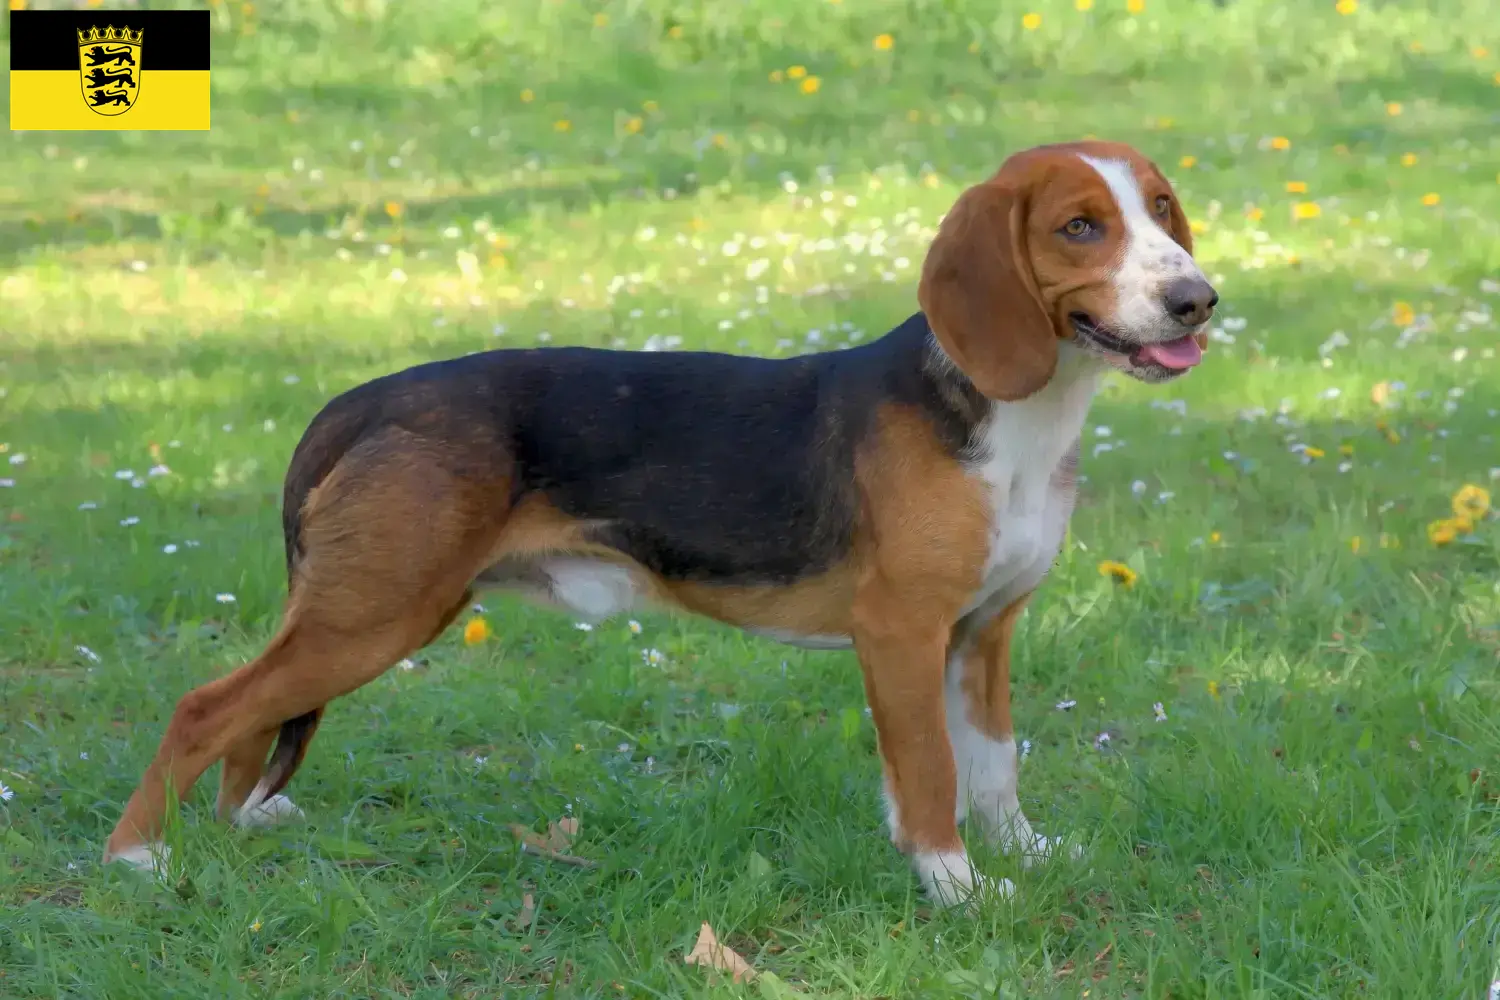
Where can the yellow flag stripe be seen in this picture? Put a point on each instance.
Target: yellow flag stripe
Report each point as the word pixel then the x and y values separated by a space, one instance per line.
pixel 53 99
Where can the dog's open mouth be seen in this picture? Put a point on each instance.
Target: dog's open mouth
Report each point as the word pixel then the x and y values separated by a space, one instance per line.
pixel 1173 355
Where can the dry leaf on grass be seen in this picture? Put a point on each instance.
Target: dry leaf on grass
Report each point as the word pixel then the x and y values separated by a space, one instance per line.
pixel 528 912
pixel 555 844
pixel 710 954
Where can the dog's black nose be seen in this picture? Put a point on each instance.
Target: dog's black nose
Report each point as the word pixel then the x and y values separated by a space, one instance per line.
pixel 1191 301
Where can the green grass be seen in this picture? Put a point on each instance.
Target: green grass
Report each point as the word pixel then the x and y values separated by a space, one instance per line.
pixel 1317 816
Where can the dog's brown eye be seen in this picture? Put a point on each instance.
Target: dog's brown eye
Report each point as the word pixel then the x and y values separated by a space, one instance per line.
pixel 1078 228
pixel 1162 204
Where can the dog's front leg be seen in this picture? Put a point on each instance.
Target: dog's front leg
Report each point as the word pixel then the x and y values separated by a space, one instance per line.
pixel 902 648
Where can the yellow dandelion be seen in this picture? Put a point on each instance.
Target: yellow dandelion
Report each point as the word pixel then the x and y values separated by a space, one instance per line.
pixel 562 125
pixel 1281 142
pixel 1441 532
pixel 777 76
pixel 528 95
pixel 1213 689
pixel 394 209
pixel 1354 544
pixel 719 141
pixel 1214 538
pixel 1431 198
pixel 1296 187
pixel 1118 572
pixel 1479 52
pixel 1031 22
pixel 796 72
pixel 1083 4
pixel 633 125
pixel 1312 452
pixel 884 42
pixel 1471 501
pixel 1254 213
pixel 675 31
pixel 1402 314
pixel 1198 226
pixel 1346 7
pixel 600 20
pixel 476 631
pixel 1393 108
pixel 811 84
pixel 1188 162
pixel 578 747
pixel 1135 6
pixel 1462 524
pixel 1409 159
pixel 1306 210
pixel 255 927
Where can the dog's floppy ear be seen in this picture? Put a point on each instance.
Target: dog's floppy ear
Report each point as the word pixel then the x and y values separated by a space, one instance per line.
pixel 980 295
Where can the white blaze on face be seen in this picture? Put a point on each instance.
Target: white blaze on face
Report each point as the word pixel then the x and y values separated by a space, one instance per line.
pixel 1149 258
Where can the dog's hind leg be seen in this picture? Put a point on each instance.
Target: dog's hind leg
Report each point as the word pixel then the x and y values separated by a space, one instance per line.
pixel 391 540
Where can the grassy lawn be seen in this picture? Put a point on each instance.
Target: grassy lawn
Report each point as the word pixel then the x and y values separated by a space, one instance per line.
pixel 1316 815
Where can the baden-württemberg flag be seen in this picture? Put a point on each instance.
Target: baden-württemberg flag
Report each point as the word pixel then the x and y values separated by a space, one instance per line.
pixel 108 69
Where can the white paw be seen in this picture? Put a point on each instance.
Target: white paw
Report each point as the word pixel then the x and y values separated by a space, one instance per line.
pixel 950 880
pixel 149 858
pixel 274 811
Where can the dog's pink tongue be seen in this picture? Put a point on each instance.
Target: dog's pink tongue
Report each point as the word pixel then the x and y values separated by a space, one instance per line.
pixel 1183 352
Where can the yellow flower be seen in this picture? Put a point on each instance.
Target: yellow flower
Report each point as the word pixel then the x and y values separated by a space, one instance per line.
pixel 1312 452
pixel 1083 4
pixel 884 42
pixel 1346 450
pixel 600 20
pixel 1392 437
pixel 1409 159
pixel 255 927
pixel 527 96
pixel 633 125
pixel 719 140
pixel 1188 162
pixel 1497 78
pixel 1306 210
pixel 1031 22
pixel 1254 213
pixel 1214 538
pixel 1471 501
pixel 1431 198
pixel 393 209
pixel 1462 524
pixel 1354 544
pixel 1441 532
pixel 1402 314
pixel 1415 47
pixel 1281 142
pixel 811 85
pixel 476 631
pixel 675 31
pixel 1393 108
pixel 1346 6
pixel 1296 187
pixel 796 72
pixel 777 76
pixel 1198 226
pixel 1479 52
pixel 1213 689
pixel 562 125
pixel 1135 6
pixel 1118 572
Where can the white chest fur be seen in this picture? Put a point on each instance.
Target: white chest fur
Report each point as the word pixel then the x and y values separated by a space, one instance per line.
pixel 1018 453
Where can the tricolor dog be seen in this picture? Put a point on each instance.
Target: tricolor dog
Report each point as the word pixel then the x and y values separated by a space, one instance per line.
pixel 902 498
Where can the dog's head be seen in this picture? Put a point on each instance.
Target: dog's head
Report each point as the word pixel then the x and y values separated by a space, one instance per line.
pixel 1082 242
